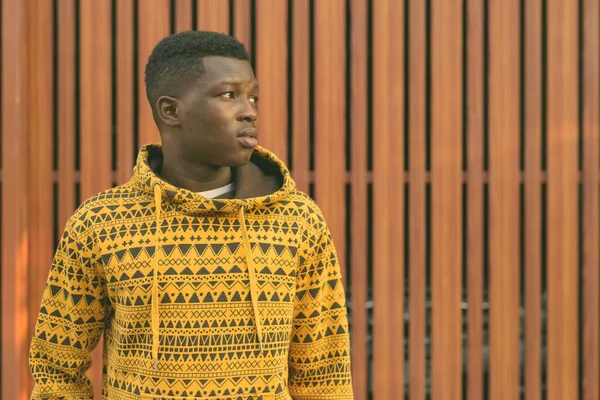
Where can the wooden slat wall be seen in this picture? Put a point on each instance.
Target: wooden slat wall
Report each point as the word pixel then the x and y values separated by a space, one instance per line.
pixel 417 126
pixel 468 130
pixel 562 170
pixel 474 104
pixel 359 193
pixel 271 73
pixel 39 119
pixel 446 194
pixel 591 196
pixel 300 87
pixel 124 89
pixel 153 25
pixel 504 125
pixel 65 86
pixel 330 116
pixel 388 199
pixel 532 242
pixel 15 375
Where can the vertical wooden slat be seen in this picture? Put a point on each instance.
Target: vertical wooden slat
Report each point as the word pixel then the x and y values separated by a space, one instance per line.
pixel 271 68
pixel 213 15
pixel 329 109
pixel 358 121
pixel 40 127
pixel 562 119
pixel 591 199
pixel 183 15
pixel 396 11
pixel 300 94
pixel 242 22
pixel 388 199
pixel 16 379
pixel 125 94
pixel 475 180
pixel 504 180
pixel 95 95
pixel 66 112
pixel 533 198
pixel 417 131
pixel 153 25
pixel 96 130
pixel 446 181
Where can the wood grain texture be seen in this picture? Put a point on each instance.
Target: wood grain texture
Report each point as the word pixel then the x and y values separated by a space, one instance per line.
pixel 417 126
pixel 125 91
pixel 446 220
pixel 213 15
pixel 359 264
pixel 504 199
pixel 388 200
pixel 96 130
pixel 242 23
pixel 591 200
pixel 40 127
pixel 95 94
pixel 300 94
pixel 329 109
pixel 66 112
pixel 562 151
pixel 271 70
pixel 16 380
pixel 475 153
pixel 533 198
pixel 183 15
pixel 153 25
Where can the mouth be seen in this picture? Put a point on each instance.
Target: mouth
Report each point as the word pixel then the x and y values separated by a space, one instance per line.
pixel 248 132
pixel 247 138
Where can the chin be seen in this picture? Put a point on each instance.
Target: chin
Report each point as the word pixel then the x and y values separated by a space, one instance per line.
pixel 241 159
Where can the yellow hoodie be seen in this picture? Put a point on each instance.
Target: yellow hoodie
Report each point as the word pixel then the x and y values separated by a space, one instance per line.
pixel 229 299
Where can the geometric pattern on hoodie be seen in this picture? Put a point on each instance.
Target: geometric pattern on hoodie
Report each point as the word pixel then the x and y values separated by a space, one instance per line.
pixel 102 279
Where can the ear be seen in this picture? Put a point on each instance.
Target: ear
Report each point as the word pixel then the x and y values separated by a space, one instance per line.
pixel 169 109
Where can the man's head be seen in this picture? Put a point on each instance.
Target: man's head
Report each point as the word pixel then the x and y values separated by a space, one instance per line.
pixel 203 95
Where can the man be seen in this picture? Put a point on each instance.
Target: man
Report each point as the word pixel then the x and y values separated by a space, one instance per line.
pixel 209 274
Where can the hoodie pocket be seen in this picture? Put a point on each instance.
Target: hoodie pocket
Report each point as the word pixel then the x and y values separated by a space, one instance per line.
pixel 266 396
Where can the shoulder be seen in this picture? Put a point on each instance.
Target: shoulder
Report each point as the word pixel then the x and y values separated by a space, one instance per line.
pixel 308 210
pixel 106 206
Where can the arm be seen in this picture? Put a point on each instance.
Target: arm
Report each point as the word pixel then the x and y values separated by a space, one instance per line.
pixel 319 362
pixel 69 325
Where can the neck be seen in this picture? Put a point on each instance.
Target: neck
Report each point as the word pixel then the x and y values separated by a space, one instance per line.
pixel 190 176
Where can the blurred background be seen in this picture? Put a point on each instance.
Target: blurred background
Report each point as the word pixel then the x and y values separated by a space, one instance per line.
pixel 453 146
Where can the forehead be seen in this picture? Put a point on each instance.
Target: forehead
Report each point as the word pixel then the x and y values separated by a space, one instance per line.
pixel 219 69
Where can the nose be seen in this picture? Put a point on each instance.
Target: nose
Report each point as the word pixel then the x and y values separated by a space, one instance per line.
pixel 247 111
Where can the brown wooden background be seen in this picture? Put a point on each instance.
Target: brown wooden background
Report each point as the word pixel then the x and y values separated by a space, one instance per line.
pixel 453 146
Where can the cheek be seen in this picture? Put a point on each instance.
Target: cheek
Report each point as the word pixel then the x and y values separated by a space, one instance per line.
pixel 210 119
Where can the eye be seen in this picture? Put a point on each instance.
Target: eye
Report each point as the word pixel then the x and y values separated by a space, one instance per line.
pixel 254 99
pixel 228 95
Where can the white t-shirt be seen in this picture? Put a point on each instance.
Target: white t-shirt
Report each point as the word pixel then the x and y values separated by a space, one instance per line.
pixel 211 194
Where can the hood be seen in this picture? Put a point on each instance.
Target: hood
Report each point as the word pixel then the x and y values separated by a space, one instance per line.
pixel 265 180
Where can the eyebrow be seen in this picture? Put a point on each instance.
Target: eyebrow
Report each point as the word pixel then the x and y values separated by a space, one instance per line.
pixel 236 83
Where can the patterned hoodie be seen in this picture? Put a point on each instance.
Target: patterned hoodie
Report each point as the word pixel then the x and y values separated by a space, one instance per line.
pixel 196 298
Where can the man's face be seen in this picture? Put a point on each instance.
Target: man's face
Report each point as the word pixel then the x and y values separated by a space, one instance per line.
pixel 219 113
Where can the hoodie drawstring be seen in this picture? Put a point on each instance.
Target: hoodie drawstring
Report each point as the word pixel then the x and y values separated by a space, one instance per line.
pixel 155 314
pixel 253 284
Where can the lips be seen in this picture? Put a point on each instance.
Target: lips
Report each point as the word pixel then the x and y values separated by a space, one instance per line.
pixel 247 137
pixel 250 132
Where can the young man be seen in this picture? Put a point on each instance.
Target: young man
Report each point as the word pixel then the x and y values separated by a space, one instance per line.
pixel 209 274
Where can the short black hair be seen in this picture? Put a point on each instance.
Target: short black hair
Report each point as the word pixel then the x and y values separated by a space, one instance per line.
pixel 178 58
